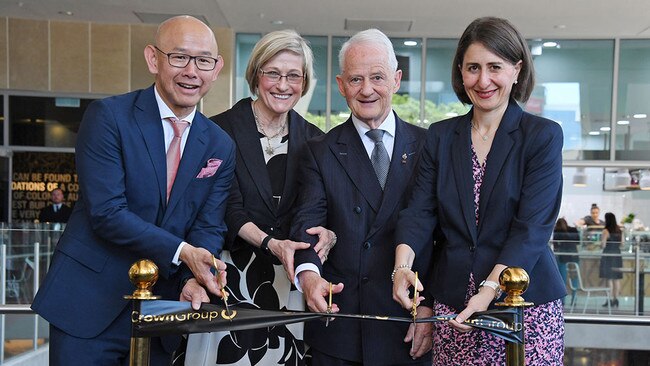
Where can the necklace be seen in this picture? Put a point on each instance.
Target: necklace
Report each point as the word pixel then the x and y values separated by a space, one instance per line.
pixel 269 149
pixel 483 137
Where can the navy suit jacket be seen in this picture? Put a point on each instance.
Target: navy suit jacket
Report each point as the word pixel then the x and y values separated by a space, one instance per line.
pixel 339 190
pixel 519 202
pixel 123 215
pixel 251 198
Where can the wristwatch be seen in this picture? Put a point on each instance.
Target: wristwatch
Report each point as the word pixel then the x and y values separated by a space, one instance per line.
pixel 493 285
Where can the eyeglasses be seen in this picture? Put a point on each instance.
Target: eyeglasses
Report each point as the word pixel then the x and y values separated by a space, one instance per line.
pixel 181 60
pixel 275 77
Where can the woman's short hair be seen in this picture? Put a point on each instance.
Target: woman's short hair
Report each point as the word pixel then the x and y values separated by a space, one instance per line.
pixel 504 40
pixel 272 44
pixel 369 36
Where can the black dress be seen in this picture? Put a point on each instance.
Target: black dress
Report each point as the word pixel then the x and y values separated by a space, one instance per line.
pixel 607 263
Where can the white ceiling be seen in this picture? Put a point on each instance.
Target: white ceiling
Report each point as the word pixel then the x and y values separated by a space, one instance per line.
pixel 430 18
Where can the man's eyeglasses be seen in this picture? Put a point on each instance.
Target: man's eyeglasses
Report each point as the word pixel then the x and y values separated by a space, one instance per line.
pixel 181 60
pixel 275 77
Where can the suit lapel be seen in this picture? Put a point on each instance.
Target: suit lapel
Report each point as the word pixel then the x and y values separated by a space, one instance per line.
pixel 354 159
pixel 499 151
pixel 402 163
pixel 296 136
pixel 462 166
pixel 248 142
pixel 147 117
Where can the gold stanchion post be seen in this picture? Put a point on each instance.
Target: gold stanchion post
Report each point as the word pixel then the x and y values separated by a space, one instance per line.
pixel 514 282
pixel 143 274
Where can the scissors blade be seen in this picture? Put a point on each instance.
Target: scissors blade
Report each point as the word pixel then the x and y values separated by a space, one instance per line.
pixel 224 296
pixel 329 306
pixel 414 310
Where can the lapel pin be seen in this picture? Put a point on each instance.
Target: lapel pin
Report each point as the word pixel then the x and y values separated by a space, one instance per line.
pixel 404 157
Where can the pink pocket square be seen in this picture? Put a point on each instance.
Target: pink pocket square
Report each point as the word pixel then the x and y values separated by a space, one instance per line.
pixel 211 168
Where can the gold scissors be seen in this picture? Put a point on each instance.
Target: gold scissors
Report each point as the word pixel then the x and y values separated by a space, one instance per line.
pixel 224 294
pixel 329 306
pixel 414 309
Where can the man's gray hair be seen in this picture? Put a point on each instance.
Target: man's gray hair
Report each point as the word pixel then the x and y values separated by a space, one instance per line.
pixel 369 36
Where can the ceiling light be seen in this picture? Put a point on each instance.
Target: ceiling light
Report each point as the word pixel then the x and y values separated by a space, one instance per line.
pixel 605 129
pixel 277 22
pixel 623 122
pixel 594 133
pixel 410 43
pixel 640 115
pixel 66 12
pixel 580 178
pixel 549 44
pixel 559 26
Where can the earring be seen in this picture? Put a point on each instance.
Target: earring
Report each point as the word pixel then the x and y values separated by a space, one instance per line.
pixel 516 81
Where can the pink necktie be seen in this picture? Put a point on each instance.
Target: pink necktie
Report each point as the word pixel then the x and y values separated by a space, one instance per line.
pixel 174 152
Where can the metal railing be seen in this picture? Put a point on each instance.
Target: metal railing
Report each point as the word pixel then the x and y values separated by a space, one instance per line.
pixel 25 254
pixel 26 250
pixel 635 256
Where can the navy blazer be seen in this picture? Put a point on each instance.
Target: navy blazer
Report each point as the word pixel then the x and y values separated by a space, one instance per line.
pixel 519 202
pixel 251 198
pixel 339 190
pixel 122 214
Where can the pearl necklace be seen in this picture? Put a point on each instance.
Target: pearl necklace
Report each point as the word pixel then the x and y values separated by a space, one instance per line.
pixel 483 137
pixel 269 149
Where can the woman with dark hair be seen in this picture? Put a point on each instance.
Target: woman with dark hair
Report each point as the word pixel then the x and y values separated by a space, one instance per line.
pixel 611 241
pixel 491 182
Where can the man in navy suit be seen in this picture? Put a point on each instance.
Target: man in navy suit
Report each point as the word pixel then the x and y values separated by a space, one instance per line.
pixel 57 211
pixel 130 208
pixel 346 189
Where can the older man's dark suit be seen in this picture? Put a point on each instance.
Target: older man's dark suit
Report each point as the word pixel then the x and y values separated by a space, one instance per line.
pixel 123 214
pixel 340 191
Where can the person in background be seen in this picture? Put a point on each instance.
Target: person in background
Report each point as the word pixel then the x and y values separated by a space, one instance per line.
pixel 566 240
pixel 611 241
pixel 593 219
pixel 591 226
pixel 491 180
pixel 154 175
pixel 57 211
pixel 354 180
pixel 269 135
